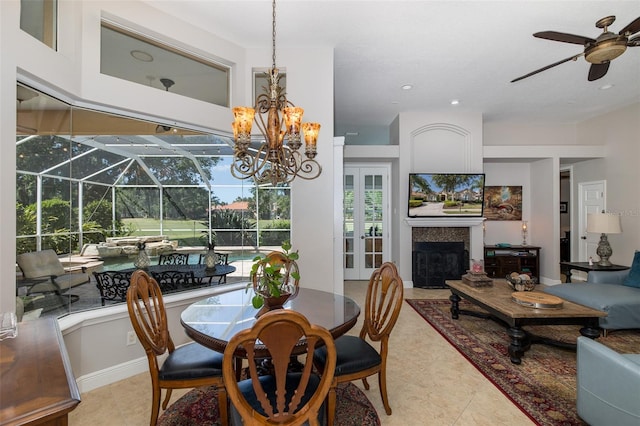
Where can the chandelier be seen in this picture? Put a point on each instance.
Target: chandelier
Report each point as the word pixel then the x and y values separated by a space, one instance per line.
pixel 274 162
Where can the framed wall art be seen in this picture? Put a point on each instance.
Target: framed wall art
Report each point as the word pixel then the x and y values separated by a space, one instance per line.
pixel 503 202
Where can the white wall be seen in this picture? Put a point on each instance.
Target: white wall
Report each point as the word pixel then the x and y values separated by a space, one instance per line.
pixel 619 131
pixel 509 174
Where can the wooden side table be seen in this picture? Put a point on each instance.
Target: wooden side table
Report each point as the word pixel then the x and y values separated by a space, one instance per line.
pixel 566 267
pixel 38 386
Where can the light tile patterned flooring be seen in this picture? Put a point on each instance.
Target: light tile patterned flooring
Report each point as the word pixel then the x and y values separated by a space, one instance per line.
pixel 429 382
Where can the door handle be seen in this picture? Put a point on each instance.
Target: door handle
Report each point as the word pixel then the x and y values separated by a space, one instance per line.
pixel 583 237
pixel 362 237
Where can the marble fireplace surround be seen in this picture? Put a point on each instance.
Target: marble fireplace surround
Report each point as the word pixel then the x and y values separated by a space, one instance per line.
pixel 468 230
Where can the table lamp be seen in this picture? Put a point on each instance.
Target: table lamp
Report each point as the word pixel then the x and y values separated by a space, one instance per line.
pixel 603 224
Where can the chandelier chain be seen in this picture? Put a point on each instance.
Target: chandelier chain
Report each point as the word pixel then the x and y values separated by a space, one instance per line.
pixel 273 35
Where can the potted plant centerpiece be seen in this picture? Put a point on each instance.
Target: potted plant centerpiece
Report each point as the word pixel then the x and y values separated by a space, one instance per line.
pixel 274 277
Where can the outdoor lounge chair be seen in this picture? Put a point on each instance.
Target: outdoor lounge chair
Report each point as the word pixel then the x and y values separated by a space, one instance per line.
pixel 48 274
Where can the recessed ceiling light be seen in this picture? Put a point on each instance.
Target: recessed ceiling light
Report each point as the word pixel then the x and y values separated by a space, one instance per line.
pixel 606 87
pixel 141 56
pixel 455 102
pixel 394 102
pixel 407 86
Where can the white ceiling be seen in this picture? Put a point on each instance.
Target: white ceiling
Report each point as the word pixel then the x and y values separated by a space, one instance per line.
pixel 466 50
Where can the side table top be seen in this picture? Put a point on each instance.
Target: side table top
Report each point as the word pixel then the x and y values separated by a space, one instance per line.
pixel 584 266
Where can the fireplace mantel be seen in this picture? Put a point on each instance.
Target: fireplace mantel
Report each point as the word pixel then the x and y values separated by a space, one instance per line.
pixel 431 222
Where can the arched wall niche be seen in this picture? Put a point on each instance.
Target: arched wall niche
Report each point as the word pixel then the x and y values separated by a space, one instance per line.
pixel 441 148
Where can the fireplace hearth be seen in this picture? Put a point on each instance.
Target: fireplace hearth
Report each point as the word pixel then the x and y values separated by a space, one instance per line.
pixel 437 261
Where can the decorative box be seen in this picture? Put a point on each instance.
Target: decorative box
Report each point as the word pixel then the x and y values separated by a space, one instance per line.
pixel 477 279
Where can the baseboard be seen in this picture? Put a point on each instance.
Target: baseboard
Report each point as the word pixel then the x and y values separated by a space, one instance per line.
pixel 112 374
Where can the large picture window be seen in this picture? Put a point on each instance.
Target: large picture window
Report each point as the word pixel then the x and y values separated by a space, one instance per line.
pixel 91 194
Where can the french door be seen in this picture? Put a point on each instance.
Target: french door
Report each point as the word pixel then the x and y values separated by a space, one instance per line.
pixel 366 219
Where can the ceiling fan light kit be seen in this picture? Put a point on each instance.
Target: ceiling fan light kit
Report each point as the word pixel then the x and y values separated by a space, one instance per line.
pixel 598 52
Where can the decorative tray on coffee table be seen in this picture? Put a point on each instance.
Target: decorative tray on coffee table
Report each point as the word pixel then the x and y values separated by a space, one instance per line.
pixel 537 299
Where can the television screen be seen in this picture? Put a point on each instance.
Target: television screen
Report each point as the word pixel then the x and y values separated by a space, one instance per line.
pixel 446 194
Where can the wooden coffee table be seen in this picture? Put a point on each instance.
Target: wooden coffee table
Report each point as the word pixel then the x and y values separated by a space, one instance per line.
pixel 498 303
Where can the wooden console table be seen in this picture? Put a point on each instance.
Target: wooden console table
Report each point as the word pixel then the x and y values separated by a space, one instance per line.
pixel 37 384
pixel 501 261
pixel 566 267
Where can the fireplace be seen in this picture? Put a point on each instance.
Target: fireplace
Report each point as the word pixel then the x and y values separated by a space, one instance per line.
pixel 434 262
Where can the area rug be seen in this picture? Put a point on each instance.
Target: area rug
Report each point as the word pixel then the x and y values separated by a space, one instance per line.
pixel 544 385
pixel 200 407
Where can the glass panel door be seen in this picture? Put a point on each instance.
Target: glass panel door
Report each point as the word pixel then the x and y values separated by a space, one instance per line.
pixel 366 236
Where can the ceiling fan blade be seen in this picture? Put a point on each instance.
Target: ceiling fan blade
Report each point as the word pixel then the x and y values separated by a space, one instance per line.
pixel 571 58
pixel 564 37
pixel 632 28
pixel 598 71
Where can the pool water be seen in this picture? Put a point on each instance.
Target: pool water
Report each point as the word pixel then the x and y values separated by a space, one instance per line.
pixel 124 262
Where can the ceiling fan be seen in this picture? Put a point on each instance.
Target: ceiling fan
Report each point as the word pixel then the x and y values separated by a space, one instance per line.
pixel 599 52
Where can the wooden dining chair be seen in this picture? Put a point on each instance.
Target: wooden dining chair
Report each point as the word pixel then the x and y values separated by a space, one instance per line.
pixel 188 366
pixel 173 259
pixel 280 397
pixel 357 358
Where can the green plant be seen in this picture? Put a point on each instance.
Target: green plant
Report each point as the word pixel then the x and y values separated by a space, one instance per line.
pixel 271 273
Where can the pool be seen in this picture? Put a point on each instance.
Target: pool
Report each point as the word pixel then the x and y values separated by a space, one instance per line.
pixel 124 262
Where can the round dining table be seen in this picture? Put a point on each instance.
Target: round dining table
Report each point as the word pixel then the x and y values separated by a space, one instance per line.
pixel 213 321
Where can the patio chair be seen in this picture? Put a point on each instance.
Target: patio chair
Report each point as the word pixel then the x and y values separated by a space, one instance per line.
pixel 280 397
pixel 46 271
pixel 357 359
pixel 173 259
pixel 112 285
pixel 171 281
pixel 188 366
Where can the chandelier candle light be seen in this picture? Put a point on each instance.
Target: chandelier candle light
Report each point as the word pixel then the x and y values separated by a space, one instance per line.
pixel 603 224
pixel 274 162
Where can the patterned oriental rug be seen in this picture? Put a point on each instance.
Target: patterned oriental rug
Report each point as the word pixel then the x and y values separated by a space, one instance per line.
pixel 544 385
pixel 200 407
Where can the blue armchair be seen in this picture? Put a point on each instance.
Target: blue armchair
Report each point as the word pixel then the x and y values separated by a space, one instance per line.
pixel 608 385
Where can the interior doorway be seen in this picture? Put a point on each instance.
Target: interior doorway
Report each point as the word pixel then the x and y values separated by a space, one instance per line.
pixel 565 215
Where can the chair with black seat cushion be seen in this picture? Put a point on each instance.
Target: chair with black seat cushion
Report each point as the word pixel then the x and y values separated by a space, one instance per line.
pixel 358 359
pixel 190 365
pixel 281 396
pixel 173 259
pixel 112 285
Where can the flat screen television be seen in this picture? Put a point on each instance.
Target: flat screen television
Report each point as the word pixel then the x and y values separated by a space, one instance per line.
pixel 446 194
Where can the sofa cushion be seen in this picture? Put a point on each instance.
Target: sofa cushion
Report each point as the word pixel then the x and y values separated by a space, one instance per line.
pixel 621 303
pixel 633 279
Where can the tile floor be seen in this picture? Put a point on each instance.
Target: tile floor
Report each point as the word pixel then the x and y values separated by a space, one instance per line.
pixel 429 382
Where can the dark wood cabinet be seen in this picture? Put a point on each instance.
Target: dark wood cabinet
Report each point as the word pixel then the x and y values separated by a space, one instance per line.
pixel 501 261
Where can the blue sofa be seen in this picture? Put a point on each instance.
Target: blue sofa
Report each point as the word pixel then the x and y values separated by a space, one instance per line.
pixel 608 385
pixel 604 290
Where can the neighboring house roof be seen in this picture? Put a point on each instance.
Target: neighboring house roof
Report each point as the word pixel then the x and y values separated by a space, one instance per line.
pixel 236 205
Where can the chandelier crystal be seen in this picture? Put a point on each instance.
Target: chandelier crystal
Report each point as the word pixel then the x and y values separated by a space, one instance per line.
pixel 278 120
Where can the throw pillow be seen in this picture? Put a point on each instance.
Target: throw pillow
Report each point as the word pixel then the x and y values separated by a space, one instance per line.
pixel 633 279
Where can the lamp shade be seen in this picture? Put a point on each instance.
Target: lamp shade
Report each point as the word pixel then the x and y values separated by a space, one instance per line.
pixel 603 223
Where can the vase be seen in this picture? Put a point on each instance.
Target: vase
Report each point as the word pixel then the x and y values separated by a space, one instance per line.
pixel 210 259
pixel 271 303
pixel 142 260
